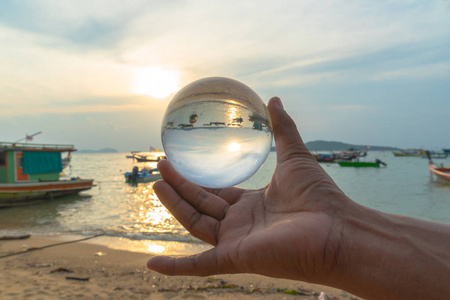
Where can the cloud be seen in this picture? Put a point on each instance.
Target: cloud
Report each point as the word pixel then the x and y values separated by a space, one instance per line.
pixel 83 23
pixel 437 70
pixel 77 57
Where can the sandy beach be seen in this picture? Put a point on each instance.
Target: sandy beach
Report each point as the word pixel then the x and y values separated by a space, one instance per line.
pixel 85 270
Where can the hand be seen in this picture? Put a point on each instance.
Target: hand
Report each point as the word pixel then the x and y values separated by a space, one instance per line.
pixel 288 229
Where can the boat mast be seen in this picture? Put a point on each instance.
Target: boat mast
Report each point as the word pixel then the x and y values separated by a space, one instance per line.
pixel 29 136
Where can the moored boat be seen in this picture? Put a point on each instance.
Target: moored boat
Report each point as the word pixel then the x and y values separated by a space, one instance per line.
pixel 404 153
pixel 440 171
pixel 351 154
pixel 361 164
pixel 419 153
pixel 437 155
pixel 142 176
pixel 153 156
pixel 30 173
pixel 325 157
pixel 409 153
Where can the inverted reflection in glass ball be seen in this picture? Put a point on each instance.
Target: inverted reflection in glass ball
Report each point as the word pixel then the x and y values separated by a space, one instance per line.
pixel 216 132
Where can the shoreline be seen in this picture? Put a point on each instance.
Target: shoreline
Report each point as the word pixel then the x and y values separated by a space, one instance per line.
pixel 90 269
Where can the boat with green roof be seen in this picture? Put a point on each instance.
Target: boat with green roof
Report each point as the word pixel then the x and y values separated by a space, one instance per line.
pixel 30 173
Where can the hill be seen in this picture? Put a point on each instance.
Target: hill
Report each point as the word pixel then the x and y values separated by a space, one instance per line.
pixel 104 150
pixel 339 146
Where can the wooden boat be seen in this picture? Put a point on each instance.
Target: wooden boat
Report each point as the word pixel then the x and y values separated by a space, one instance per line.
pixel 325 157
pixel 350 154
pixel 153 156
pixel 419 153
pixel 442 172
pixel 30 173
pixel 361 164
pixel 401 154
pixel 409 153
pixel 142 176
pixel 437 155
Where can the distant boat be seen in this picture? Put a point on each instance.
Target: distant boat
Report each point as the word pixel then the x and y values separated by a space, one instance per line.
pixel 410 152
pixel 442 172
pixel 362 164
pixel 446 150
pixel 403 153
pixel 142 176
pixel 149 156
pixel 325 157
pixel 348 155
pixel 420 153
pixel 29 173
pixel 436 155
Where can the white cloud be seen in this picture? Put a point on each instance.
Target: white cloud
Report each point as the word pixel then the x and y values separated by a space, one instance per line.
pixel 66 52
pixel 428 71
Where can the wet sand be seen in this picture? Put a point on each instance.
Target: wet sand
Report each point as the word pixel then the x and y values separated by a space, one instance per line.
pixel 85 270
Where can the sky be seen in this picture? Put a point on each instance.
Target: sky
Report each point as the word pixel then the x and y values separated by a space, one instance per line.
pixel 100 73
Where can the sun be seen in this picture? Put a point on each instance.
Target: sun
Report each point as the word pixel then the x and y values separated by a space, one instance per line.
pixel 156 82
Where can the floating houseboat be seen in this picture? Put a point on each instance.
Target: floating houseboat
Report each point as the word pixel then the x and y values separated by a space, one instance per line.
pixel 30 173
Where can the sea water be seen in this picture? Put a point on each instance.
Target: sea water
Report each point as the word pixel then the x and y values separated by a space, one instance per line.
pixel 133 214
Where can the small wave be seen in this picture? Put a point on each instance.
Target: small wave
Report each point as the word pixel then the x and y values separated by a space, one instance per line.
pixel 166 237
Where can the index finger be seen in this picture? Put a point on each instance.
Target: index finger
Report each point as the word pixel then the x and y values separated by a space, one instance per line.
pixel 203 201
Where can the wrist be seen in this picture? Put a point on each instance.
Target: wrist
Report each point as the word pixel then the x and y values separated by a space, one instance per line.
pixel 385 256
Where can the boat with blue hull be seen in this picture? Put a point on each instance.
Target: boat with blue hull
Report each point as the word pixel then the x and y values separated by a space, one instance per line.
pixel 144 175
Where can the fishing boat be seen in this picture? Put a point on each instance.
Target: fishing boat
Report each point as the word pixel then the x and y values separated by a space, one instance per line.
pixel 351 154
pixel 142 176
pixel 153 156
pixel 409 153
pixel 362 164
pixel 325 157
pixel 440 171
pixel 402 154
pixel 437 155
pixel 30 173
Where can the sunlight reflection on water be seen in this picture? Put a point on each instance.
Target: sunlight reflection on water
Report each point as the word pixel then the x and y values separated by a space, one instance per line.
pixel 137 217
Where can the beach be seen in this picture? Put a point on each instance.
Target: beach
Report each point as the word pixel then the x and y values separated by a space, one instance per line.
pixel 133 225
pixel 57 268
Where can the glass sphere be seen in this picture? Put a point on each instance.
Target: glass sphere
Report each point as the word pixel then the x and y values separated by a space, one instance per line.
pixel 216 132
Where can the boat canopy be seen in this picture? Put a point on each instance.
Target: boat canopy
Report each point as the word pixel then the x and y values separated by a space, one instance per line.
pixel 38 162
pixel 4 146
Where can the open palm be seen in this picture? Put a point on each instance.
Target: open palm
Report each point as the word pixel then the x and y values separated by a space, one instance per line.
pixel 284 230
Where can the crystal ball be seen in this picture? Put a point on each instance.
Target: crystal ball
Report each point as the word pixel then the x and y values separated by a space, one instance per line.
pixel 216 132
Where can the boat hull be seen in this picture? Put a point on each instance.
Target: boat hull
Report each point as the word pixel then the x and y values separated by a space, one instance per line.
pixel 144 179
pixel 359 164
pixel 402 154
pixel 441 173
pixel 17 194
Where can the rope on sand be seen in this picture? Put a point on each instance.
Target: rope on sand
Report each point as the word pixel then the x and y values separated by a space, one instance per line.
pixel 51 245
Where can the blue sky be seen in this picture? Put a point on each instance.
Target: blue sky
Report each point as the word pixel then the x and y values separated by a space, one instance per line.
pixel 101 73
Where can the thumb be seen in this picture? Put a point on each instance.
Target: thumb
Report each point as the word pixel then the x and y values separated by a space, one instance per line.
pixel 287 138
pixel 202 264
